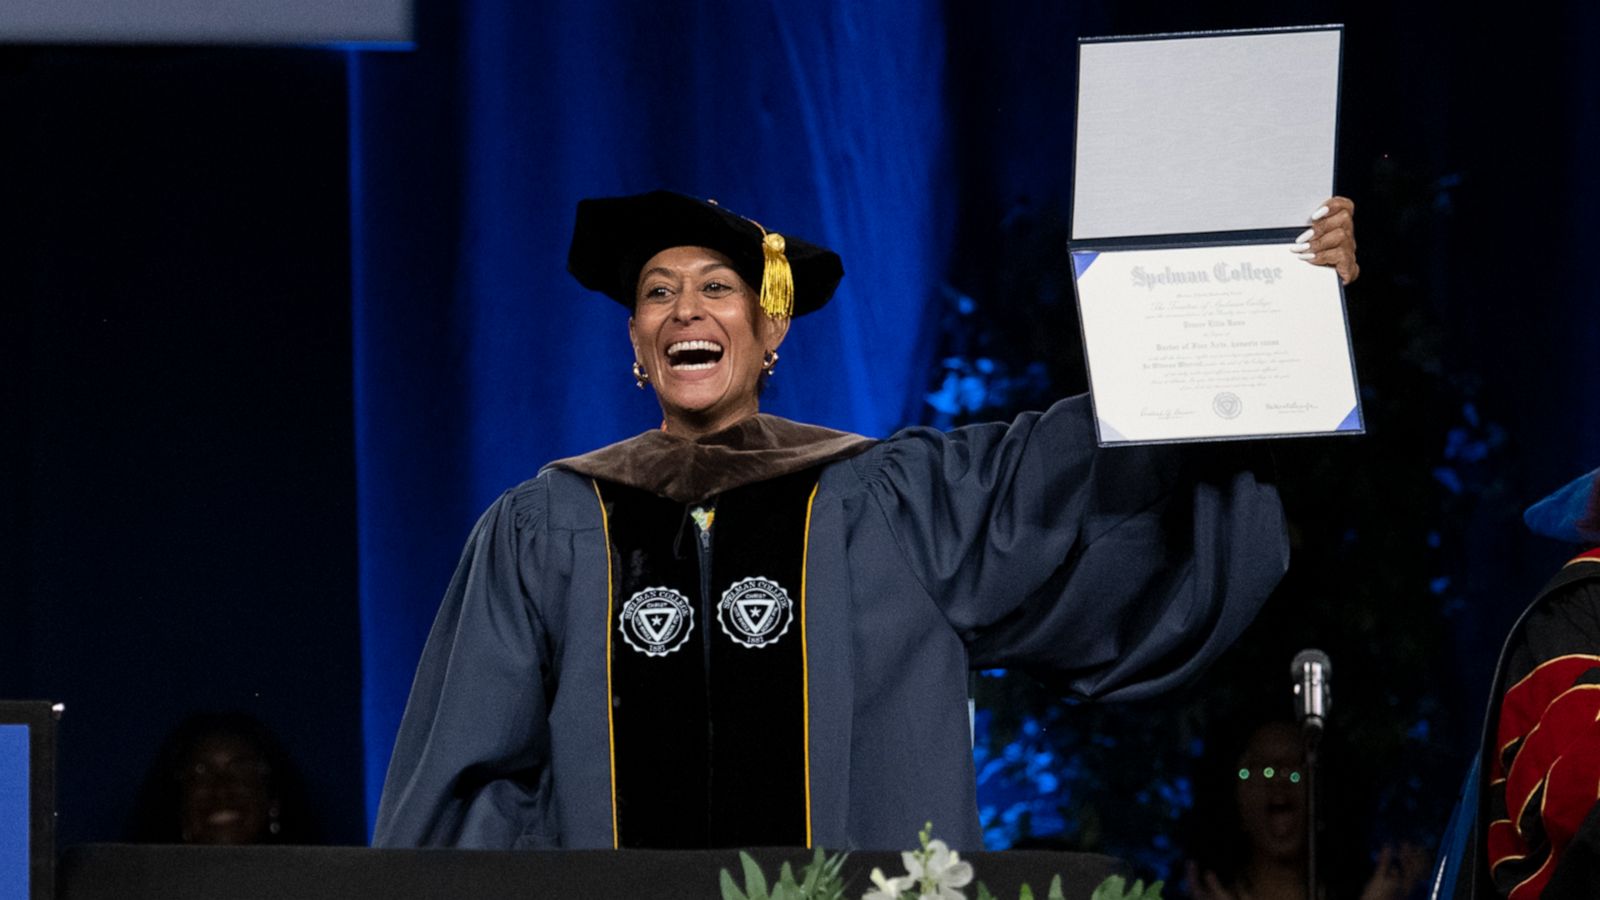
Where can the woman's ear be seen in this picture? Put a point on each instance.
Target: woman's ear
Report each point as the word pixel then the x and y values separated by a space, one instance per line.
pixel 773 331
pixel 633 338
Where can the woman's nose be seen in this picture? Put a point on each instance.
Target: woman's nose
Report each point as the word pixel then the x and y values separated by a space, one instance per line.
pixel 687 307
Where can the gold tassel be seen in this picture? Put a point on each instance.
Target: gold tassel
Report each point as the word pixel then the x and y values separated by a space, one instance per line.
pixel 777 281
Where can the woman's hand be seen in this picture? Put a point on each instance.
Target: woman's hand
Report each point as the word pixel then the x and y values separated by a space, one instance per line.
pixel 1397 873
pixel 1331 239
pixel 1205 885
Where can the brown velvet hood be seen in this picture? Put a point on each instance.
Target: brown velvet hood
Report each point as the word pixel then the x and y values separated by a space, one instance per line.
pixel 687 471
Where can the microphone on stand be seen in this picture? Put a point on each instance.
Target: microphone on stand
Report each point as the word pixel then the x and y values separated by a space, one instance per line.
pixel 1312 673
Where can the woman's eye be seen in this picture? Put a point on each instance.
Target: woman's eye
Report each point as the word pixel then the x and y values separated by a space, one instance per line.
pixel 717 287
pixel 657 291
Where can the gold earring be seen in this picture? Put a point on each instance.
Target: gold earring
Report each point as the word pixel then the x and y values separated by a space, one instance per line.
pixel 640 376
pixel 769 361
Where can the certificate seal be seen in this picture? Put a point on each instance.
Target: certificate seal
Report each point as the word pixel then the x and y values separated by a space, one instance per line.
pixel 1227 405
pixel 657 621
pixel 755 612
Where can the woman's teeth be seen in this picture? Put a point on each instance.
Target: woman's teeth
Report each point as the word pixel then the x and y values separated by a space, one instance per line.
pixel 693 355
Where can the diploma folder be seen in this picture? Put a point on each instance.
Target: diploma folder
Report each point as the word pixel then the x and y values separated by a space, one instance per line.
pixel 1198 160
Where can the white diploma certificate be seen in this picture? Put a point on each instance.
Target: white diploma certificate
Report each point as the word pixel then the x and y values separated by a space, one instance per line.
pixel 1185 134
pixel 1198 163
pixel 1205 343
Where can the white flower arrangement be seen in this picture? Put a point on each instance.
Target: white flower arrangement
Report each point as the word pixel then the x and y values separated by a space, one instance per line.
pixel 933 872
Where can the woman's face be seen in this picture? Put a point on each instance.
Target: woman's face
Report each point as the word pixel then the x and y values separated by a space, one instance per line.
pixel 224 792
pixel 1272 808
pixel 698 332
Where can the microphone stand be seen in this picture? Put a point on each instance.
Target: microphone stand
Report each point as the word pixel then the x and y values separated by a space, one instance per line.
pixel 1313 674
pixel 1312 731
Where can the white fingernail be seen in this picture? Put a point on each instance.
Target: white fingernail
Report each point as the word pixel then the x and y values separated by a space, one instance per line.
pixel 1301 247
pixel 1304 236
pixel 1306 256
pixel 1321 211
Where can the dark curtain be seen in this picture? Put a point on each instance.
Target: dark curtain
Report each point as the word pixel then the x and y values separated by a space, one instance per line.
pixel 177 517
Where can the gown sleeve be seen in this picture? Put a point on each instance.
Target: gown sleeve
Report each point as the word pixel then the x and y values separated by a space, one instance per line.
pixel 1108 572
pixel 1543 827
pixel 470 764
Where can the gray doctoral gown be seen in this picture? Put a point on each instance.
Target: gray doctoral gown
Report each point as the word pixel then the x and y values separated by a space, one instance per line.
pixel 1114 573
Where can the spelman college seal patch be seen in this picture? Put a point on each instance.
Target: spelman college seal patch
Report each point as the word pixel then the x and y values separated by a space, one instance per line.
pixel 755 612
pixel 657 621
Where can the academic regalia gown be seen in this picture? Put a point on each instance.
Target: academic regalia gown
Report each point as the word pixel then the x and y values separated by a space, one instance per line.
pixel 1113 573
pixel 1528 823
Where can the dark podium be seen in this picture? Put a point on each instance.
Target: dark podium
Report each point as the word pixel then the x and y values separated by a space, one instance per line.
pixel 135 872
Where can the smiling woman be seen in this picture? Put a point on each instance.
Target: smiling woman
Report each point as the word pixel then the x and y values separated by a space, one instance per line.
pixel 737 630
pixel 221 778
pixel 699 328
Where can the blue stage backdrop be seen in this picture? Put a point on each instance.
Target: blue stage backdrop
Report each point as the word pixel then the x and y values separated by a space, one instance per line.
pixel 478 358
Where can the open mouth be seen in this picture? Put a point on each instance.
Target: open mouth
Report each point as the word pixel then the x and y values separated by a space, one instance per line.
pixel 223 817
pixel 690 356
pixel 1282 817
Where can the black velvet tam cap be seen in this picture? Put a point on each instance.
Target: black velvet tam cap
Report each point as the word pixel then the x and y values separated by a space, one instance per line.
pixel 615 236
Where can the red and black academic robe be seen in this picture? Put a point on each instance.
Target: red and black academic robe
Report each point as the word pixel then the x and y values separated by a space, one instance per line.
pixel 1538 823
pixel 1542 778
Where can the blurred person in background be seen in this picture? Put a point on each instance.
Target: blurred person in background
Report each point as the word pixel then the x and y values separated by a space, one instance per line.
pixel 221 778
pixel 1252 845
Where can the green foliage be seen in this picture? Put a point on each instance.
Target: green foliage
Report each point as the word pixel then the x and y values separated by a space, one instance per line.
pixel 819 880
pixel 1116 888
pixel 755 884
pixel 1056 893
pixel 822 880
